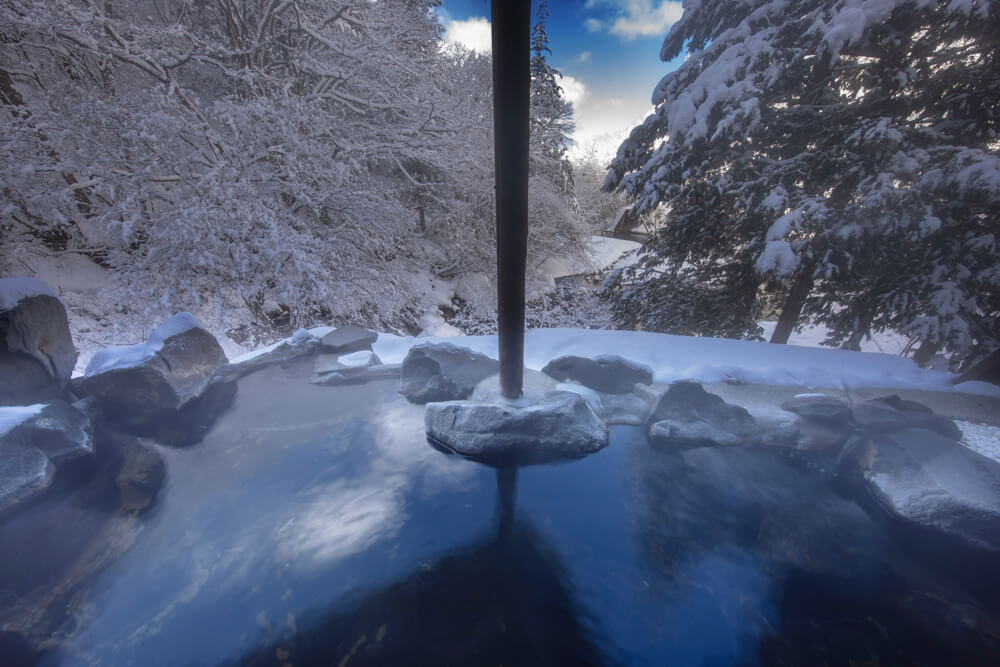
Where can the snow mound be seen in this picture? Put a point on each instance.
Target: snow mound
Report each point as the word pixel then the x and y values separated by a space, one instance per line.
pixel 13 290
pixel 127 356
pixel 709 360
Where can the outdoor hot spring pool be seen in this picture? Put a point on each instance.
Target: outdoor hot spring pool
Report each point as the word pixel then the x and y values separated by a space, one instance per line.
pixel 316 526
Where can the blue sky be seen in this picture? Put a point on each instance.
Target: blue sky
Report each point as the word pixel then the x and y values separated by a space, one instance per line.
pixel 608 51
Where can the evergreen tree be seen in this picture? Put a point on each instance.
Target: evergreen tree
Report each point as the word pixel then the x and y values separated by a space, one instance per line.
pixel 839 157
pixel 551 113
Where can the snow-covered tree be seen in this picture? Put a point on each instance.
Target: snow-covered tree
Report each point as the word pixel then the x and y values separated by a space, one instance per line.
pixel 840 154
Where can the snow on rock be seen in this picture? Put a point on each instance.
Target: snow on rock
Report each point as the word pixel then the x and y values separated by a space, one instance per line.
pixel 14 290
pixel 168 371
pixel 981 438
pixel 538 427
pixel 127 356
pixel 15 415
pixel 921 477
pixel 442 372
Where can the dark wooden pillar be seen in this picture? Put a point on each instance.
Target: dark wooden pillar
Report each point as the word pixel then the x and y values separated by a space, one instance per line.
pixel 511 89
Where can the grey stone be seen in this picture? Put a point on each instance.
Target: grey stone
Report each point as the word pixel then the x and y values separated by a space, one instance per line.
pixel 60 431
pixel 820 409
pixel 533 429
pixel 881 415
pixel 332 363
pixel 175 375
pixel 607 374
pixel 628 408
pixel 141 474
pixel 282 354
pixel 37 325
pixel 691 432
pixel 24 472
pixel 443 372
pixel 921 477
pixel 358 375
pixel 24 380
pixel 348 338
pixel 687 401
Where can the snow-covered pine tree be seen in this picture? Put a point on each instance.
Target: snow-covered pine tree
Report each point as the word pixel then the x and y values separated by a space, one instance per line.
pixel 841 154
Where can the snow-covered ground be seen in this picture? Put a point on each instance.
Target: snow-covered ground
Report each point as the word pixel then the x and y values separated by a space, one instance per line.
pixel 713 360
pixel 886 342
pixel 982 438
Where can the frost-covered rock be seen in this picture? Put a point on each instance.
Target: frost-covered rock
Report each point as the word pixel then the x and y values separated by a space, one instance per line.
pixel 337 369
pixel 607 374
pixel 24 471
pixel 822 409
pixel 348 338
pixel 924 478
pixel 694 414
pixel 60 431
pixel 33 327
pixel 891 413
pixel 532 429
pixel 173 367
pixel 690 432
pixel 443 372
pixel 300 345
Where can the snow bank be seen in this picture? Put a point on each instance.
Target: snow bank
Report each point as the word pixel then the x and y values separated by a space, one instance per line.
pixel 127 356
pixel 710 360
pixel 14 415
pixel 13 290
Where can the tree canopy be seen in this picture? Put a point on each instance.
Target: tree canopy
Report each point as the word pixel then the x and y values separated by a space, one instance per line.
pixel 837 157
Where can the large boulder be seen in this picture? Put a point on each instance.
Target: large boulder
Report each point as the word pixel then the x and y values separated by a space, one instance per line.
pixel 24 380
pixel 301 345
pixel 169 370
pixel 35 438
pixel 929 480
pixel 24 472
pixel 60 431
pixel 33 328
pixel 892 413
pixel 443 372
pixel 607 374
pixel 349 338
pixel 533 429
pixel 822 409
pixel 687 414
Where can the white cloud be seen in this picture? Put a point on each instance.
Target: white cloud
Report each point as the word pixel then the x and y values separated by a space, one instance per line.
pixel 602 123
pixel 472 33
pixel 574 90
pixel 636 18
pixel 584 57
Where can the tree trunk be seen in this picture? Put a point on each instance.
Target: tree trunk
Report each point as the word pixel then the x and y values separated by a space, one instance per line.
pixel 793 306
pixel 925 352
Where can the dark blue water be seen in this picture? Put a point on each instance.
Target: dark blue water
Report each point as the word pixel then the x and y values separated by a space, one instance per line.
pixel 316 526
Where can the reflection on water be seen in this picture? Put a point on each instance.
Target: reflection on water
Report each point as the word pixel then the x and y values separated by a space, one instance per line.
pixel 314 525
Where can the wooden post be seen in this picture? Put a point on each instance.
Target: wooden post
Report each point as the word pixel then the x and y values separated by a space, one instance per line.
pixel 511 90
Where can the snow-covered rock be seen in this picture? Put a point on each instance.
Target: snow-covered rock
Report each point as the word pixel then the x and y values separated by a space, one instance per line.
pixel 690 432
pixel 333 369
pixel 532 429
pixel 921 477
pixel 60 431
pixel 300 345
pixel 348 338
pixel 607 374
pixel 24 472
pixel 443 372
pixel 173 367
pixel 33 328
pixel 694 414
